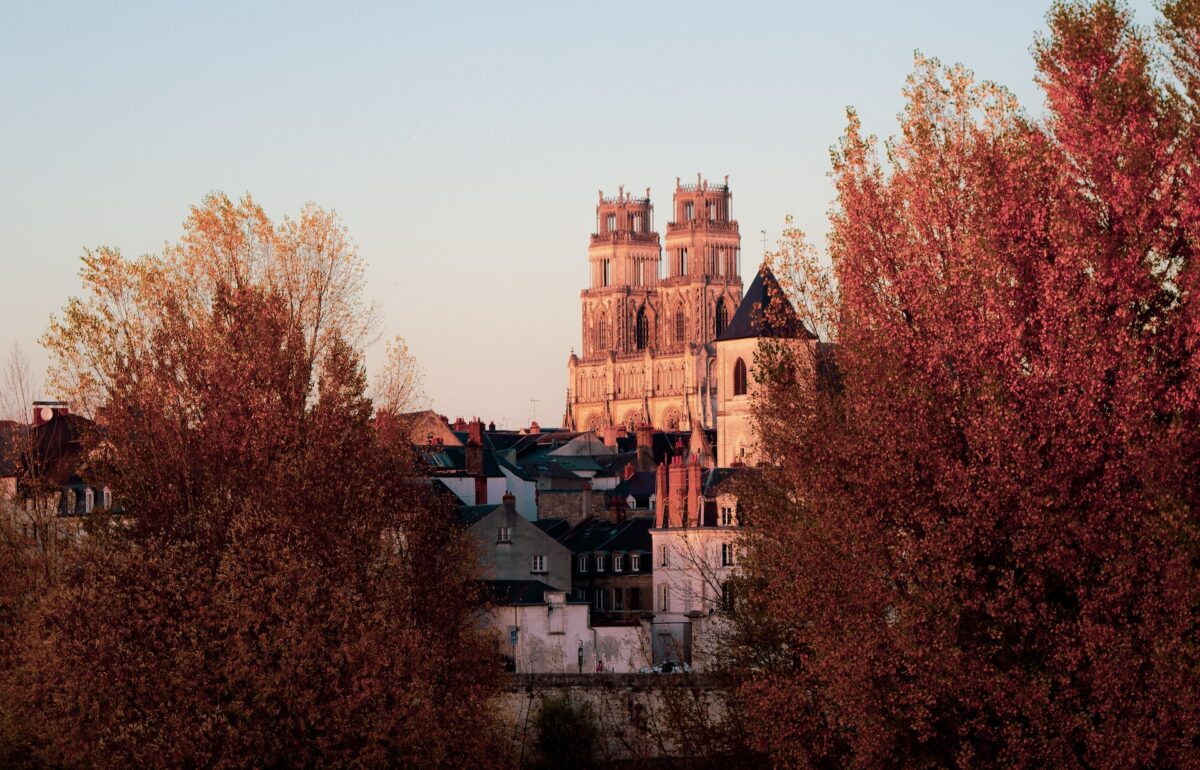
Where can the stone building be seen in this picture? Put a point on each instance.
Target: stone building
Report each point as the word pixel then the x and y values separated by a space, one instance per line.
pixel 764 314
pixel 648 324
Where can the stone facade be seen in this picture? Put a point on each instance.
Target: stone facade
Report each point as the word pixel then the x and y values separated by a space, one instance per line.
pixel 647 354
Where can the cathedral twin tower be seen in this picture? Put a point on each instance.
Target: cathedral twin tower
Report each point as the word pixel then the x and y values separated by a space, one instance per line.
pixel 649 318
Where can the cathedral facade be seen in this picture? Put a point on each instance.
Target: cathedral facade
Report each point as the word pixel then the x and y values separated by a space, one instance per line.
pixel 650 317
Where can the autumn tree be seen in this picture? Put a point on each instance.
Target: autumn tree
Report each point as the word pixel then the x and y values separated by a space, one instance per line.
pixel 977 544
pixel 282 591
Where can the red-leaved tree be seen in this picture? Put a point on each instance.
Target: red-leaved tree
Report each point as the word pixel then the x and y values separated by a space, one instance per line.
pixel 977 543
pixel 280 590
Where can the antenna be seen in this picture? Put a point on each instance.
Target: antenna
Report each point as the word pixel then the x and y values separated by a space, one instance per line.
pixel 764 242
pixel 534 402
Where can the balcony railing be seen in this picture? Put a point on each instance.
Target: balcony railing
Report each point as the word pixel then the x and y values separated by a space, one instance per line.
pixel 702 224
pixel 624 235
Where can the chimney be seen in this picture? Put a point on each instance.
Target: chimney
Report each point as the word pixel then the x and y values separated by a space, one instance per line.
pixel 660 496
pixel 695 511
pixel 616 509
pixel 677 492
pixel 492 426
pixel 534 427
pixel 475 460
pixel 510 503
pixel 585 499
pixel 475 432
pixel 645 447
pixel 627 474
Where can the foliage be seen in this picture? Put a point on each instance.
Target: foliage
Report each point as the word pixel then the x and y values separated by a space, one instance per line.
pixel 979 544
pixel 566 733
pixel 283 592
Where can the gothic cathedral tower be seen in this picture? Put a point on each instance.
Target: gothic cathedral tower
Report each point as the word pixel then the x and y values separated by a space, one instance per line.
pixel 648 326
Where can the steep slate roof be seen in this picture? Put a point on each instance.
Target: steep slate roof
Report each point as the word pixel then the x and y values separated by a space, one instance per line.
pixel 597 534
pixel 554 527
pixel 510 592
pixel 469 515
pixel 641 485
pixel 765 311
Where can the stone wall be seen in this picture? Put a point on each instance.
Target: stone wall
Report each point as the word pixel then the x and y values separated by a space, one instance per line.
pixel 641 719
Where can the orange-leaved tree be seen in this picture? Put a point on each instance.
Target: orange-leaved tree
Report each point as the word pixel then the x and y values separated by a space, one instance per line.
pixel 977 542
pixel 280 590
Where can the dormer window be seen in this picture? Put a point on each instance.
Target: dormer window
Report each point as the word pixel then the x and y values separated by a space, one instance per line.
pixel 503 535
pixel 89 500
pixel 583 560
pixel 599 562
pixel 635 562
pixel 618 562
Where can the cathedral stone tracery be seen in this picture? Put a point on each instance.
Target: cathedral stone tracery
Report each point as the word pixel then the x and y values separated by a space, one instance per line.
pixel 649 323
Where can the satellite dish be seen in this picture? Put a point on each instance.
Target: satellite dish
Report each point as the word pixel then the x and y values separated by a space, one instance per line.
pixel 47 414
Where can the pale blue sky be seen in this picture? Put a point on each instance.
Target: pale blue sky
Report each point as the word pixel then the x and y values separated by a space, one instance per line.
pixel 462 144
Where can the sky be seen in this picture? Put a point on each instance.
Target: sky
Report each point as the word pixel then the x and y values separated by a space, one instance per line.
pixel 461 143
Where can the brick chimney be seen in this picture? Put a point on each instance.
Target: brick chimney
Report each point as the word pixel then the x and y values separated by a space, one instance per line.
pixel 475 460
pixel 677 491
pixel 695 512
pixel 510 503
pixel 660 495
pixel 616 509
pixel 645 447
pixel 534 427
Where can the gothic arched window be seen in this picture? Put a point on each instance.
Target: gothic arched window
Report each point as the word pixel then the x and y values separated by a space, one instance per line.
pixel 603 332
pixel 722 317
pixel 739 378
pixel 679 325
pixel 641 330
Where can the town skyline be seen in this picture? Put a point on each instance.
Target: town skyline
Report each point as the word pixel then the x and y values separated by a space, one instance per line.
pixel 465 168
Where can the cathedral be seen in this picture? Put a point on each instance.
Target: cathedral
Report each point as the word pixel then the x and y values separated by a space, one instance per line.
pixel 648 327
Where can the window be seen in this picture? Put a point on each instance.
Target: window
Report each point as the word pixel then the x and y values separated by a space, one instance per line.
pixel 539 564
pixel 726 554
pixel 722 317
pixel 618 562
pixel 600 592
pixel 739 378
pixel 602 332
pixel 689 211
pixel 611 223
pixel 635 598
pixel 503 535
pixel 635 562
pixel 679 325
pixel 581 594
pixel 599 562
pixel 683 262
pixel 664 597
pixel 606 276
pixel 583 564
pixel 726 516
pixel 617 603
pixel 641 330
pixel 106 498
pixel 727 596
pixel 89 500
pixel 662 556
